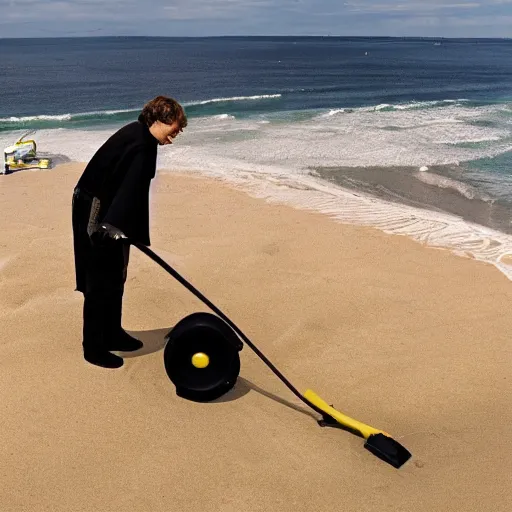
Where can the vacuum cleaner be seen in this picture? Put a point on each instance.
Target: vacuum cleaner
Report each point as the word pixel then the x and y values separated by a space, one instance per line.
pixel 202 359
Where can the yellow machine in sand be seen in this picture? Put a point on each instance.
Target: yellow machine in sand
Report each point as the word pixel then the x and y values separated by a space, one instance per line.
pixel 23 155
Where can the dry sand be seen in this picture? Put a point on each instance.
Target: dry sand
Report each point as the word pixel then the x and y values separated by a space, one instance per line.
pixel 412 340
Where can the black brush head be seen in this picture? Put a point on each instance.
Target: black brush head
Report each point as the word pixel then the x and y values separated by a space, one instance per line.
pixel 388 450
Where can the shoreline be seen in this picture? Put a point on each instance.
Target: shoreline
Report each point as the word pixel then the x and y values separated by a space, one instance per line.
pixel 430 228
pixel 437 189
pixel 484 244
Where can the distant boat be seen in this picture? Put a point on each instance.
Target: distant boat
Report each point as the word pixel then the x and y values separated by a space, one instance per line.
pixel 437 44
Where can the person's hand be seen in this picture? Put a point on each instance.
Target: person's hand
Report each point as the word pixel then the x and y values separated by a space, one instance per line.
pixel 106 234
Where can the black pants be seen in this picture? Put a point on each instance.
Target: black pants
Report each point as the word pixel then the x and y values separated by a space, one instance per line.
pixel 103 297
pixel 100 276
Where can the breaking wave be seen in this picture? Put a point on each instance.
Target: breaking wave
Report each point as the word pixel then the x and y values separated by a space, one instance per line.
pixel 464 189
pixel 234 98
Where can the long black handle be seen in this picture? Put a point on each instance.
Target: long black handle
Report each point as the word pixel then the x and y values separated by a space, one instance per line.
pixel 200 296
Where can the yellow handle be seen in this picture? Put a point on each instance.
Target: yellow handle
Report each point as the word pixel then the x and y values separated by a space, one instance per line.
pixel 365 430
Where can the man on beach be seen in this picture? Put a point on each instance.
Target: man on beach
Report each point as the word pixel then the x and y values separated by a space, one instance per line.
pixel 111 208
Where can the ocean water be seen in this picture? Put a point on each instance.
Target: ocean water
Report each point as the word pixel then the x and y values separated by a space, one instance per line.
pixel 413 136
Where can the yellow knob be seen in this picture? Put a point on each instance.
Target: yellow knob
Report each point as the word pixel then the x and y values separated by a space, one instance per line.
pixel 200 360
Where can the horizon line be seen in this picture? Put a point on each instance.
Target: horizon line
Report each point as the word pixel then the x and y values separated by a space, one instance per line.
pixel 323 36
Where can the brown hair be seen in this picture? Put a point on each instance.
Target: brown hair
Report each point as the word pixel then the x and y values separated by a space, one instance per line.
pixel 163 109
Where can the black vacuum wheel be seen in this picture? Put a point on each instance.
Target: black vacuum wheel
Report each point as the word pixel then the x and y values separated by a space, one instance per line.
pixel 202 357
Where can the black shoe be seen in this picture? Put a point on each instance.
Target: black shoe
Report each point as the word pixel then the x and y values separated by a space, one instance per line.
pixel 123 342
pixel 102 358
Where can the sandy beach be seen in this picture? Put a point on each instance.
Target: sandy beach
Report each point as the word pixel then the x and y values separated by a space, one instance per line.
pixel 412 340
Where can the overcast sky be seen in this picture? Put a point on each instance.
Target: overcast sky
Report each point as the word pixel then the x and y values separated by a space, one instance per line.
pixel 450 18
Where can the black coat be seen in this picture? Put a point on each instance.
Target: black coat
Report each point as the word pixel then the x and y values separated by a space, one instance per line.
pixel 119 175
